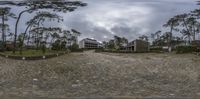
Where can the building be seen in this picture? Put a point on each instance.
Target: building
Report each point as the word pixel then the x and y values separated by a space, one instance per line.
pixel 196 43
pixel 137 46
pixel 100 45
pixel 89 44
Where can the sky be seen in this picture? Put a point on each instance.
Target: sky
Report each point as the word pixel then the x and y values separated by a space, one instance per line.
pixel 102 19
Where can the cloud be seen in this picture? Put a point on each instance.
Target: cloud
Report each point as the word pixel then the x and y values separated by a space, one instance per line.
pixel 102 19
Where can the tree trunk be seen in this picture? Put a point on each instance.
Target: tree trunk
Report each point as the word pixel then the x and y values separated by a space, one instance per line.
pixel 37 36
pixel 194 32
pixel 16 27
pixel 21 48
pixel 3 32
pixel 28 37
pixel 170 39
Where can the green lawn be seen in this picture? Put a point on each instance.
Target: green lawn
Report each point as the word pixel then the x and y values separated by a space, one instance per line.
pixel 30 53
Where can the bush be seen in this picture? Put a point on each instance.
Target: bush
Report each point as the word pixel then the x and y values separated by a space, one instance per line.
pixel 185 49
pixel 75 48
pixel 156 49
pixel 99 50
pixel 56 45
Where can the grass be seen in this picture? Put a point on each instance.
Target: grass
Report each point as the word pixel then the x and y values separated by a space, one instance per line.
pixel 30 53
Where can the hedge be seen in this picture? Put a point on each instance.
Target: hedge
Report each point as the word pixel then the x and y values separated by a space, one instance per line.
pixel 186 49
pixel 40 57
pixel 77 50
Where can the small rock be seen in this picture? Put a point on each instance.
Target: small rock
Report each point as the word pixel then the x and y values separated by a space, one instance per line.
pixel 85 81
pixel 25 93
pixel 198 94
pixel 136 80
pixel 94 77
pixel 171 94
pixel 35 79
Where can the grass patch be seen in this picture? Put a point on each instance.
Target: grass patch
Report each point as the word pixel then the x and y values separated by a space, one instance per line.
pixel 30 53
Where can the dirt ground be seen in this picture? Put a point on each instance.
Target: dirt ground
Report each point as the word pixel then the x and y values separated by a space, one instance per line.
pixel 92 74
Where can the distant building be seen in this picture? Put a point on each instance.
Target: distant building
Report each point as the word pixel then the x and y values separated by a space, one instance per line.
pixel 100 45
pixel 137 46
pixel 9 45
pixel 89 44
pixel 196 43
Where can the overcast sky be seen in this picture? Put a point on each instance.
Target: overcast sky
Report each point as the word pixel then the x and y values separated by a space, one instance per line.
pixel 102 19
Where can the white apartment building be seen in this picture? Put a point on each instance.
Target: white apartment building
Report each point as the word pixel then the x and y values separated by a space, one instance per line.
pixel 88 43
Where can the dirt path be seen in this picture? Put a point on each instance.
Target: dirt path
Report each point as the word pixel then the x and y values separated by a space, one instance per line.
pixel 102 74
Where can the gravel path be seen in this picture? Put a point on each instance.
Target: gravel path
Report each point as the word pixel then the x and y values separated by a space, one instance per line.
pixel 102 74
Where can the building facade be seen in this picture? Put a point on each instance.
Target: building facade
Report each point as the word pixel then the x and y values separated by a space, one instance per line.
pixel 137 46
pixel 89 44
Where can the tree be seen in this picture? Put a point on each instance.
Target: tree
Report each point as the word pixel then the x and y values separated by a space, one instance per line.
pixel 47 30
pixel 38 19
pixel 54 36
pixel 144 38
pixel 75 35
pixel 117 41
pixel 156 37
pixel 4 14
pixel 194 23
pixel 34 5
pixel 124 41
pixel 5 28
pixel 172 23
pixel 20 39
pixel 158 34
pixel 120 42
pixel 111 44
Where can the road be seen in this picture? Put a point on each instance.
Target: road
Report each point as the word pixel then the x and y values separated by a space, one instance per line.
pixel 92 74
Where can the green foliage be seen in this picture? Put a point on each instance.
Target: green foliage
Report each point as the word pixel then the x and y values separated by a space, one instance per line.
pixel 59 45
pixel 99 50
pixel 20 39
pixel 156 49
pixel 185 49
pixel 56 45
pixel 63 45
pixel 43 47
pixel 75 48
pixel 35 5
pixel 31 53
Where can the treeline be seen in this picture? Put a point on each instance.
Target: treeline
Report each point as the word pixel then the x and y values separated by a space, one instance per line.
pixel 186 24
pixel 35 33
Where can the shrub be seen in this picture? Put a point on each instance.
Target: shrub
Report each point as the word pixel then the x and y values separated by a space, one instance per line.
pixel 99 50
pixel 75 48
pixel 185 49
pixel 56 45
pixel 156 49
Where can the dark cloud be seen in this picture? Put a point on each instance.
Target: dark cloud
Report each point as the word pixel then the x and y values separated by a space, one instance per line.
pixel 102 19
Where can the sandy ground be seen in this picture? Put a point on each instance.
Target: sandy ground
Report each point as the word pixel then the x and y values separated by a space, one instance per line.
pixel 102 74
